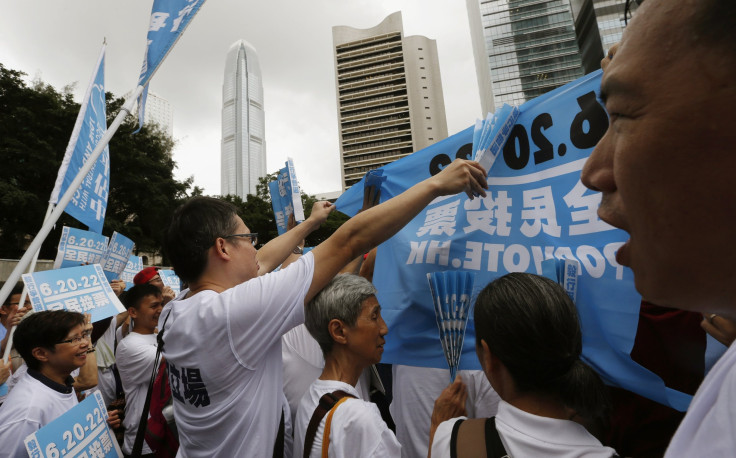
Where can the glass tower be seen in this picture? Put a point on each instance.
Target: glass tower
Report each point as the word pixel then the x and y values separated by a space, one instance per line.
pixel 243 150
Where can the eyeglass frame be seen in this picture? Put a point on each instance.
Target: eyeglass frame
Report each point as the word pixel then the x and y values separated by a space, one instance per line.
pixel 77 340
pixel 253 237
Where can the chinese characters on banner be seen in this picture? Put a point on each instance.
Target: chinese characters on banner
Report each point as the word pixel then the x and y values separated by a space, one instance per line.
pixel 117 255
pixel 134 265
pixel 77 247
pixel 286 197
pixel 536 209
pixel 80 432
pixel 169 278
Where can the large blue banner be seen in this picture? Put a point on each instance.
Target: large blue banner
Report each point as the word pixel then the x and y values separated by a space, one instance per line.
pixel 536 209
pixel 77 247
pixel 168 20
pixel 89 203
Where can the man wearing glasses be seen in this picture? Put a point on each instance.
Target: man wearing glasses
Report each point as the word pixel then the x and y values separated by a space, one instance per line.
pixel 53 344
pixel 222 337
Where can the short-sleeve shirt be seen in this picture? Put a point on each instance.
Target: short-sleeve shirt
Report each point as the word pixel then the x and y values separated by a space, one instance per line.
pixel 357 428
pixel 223 354
pixel 135 356
pixel 526 434
pixel 709 427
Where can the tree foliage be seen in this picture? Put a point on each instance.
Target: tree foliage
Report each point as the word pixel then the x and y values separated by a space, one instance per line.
pixel 35 125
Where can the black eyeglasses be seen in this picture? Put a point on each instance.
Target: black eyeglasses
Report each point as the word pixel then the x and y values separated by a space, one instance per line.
pixel 253 237
pixel 77 340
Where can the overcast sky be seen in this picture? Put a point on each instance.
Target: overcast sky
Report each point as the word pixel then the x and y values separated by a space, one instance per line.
pixel 59 41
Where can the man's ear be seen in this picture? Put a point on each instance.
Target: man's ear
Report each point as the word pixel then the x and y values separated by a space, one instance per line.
pixel 41 354
pixel 337 330
pixel 133 312
pixel 221 248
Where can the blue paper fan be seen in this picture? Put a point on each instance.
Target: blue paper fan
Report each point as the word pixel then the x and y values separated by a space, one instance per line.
pixel 451 292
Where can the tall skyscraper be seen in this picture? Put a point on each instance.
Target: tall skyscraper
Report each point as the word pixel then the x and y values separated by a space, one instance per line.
pixel 524 48
pixel 389 95
pixel 243 153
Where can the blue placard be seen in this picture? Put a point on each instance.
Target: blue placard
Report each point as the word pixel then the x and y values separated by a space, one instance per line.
pixel 134 265
pixel 80 432
pixel 169 278
pixel 117 255
pixel 77 247
pixel 81 289
pixel 536 209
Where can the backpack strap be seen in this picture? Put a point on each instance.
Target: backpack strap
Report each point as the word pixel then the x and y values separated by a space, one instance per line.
pixel 328 424
pixel 325 404
pixel 466 441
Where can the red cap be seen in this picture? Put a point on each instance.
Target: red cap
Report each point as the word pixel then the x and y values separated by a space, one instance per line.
pixel 145 275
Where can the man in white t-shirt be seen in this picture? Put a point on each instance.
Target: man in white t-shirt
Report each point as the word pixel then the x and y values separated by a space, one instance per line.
pixel 53 344
pixel 665 169
pixel 222 340
pixel 135 357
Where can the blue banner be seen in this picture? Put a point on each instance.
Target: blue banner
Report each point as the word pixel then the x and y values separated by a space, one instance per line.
pixel 117 255
pixel 286 197
pixel 134 265
pixel 81 432
pixel 536 209
pixel 77 247
pixel 81 289
pixel 168 20
pixel 89 203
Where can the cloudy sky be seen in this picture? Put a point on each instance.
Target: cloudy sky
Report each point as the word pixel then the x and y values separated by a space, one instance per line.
pixel 59 41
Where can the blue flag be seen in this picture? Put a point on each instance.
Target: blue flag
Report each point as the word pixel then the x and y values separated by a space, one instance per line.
pixel 89 203
pixel 536 209
pixel 168 20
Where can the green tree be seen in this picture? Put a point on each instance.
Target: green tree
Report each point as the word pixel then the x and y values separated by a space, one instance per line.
pixel 35 125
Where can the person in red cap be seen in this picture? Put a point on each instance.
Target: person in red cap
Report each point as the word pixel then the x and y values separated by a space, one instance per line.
pixel 150 275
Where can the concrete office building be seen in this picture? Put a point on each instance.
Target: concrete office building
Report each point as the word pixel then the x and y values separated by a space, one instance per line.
pixel 524 48
pixel 158 111
pixel 243 149
pixel 610 17
pixel 389 95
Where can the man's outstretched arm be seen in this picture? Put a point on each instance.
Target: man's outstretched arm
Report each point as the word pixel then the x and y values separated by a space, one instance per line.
pixel 372 227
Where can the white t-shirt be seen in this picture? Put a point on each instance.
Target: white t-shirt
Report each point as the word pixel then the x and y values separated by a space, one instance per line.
pixel 223 352
pixel 524 434
pixel 303 364
pixel 357 427
pixel 30 406
pixel 135 356
pixel 414 392
pixel 709 427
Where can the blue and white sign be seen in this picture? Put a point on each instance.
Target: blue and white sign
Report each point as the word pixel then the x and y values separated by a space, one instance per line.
pixel 89 203
pixel 169 19
pixel 77 247
pixel 117 255
pixel 169 278
pixel 81 289
pixel 286 197
pixel 536 209
pixel 81 432
pixel 134 265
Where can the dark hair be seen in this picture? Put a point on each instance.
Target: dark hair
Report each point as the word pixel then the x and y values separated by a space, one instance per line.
pixel 532 326
pixel 17 289
pixel 193 229
pixel 135 295
pixel 715 21
pixel 43 329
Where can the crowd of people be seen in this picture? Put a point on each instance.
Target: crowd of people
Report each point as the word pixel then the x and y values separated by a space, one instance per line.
pixel 272 352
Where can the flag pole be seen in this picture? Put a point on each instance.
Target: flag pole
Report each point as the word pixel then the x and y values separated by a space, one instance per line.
pixel 61 205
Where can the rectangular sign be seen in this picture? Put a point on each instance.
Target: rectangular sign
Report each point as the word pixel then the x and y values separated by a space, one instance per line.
pixel 134 265
pixel 117 255
pixel 81 289
pixel 169 278
pixel 77 247
pixel 81 432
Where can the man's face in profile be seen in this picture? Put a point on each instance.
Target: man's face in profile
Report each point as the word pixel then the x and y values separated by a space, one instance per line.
pixel 666 165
